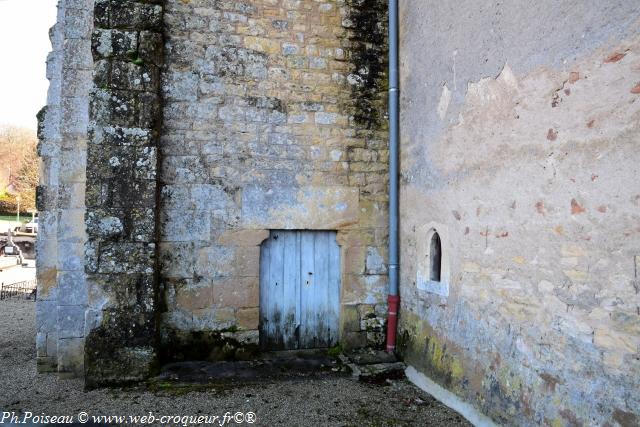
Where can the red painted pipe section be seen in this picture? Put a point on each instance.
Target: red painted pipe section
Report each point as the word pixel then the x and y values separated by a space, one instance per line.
pixel 392 322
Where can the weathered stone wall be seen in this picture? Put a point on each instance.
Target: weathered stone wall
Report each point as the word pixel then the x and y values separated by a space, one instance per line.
pixel 520 124
pixel 121 194
pixel 60 248
pixel 46 245
pixel 273 119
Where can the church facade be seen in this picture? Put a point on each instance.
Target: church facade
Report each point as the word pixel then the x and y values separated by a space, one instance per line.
pixel 215 183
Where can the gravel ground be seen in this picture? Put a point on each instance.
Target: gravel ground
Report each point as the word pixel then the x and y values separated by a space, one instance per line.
pixel 328 401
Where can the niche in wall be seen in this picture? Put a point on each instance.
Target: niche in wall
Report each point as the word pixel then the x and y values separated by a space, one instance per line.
pixel 435 258
pixel 433 270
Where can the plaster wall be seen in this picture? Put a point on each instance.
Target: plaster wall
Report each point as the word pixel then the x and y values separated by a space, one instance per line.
pixel 520 125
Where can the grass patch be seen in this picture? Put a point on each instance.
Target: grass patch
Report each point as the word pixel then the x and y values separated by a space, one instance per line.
pixel 335 351
pixel 12 218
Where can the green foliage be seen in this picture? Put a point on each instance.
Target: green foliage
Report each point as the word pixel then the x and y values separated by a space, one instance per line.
pixel 8 204
pixel 335 351
pixel 24 218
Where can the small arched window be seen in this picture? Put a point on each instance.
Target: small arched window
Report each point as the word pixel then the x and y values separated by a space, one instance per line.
pixel 436 258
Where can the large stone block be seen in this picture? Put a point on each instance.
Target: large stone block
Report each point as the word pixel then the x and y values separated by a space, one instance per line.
pixel 150 47
pixel 70 321
pixel 72 289
pixel 71 357
pixel 77 54
pixel 117 135
pixel 304 208
pixel 135 15
pixel 215 262
pixel 193 297
pixel 237 292
pixel 70 256
pixel 115 107
pixel 78 23
pixel 350 318
pixel 353 340
pixel 46 316
pixel 185 226
pixel 248 318
pixel 177 260
pixel 243 237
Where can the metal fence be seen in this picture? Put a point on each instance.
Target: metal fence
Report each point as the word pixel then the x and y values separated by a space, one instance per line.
pixel 26 290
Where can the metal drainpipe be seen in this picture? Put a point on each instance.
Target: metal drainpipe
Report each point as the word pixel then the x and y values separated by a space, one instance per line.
pixel 394 138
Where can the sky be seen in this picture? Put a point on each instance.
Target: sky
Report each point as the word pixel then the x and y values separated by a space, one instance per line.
pixel 24 45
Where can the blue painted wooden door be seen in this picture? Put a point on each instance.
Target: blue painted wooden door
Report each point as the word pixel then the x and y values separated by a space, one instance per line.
pixel 299 290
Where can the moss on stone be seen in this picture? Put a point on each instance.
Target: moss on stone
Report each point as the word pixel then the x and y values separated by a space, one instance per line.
pixel 499 391
pixel 213 346
pixel 423 348
pixel 368 54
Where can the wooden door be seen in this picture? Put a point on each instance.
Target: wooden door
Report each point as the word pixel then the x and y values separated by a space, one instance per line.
pixel 299 290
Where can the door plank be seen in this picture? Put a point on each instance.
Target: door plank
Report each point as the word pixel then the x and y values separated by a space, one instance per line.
pixel 333 306
pixel 289 290
pixel 265 295
pixel 307 285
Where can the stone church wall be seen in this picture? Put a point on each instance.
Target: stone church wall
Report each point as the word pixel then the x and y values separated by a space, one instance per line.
pixel 273 119
pixel 177 134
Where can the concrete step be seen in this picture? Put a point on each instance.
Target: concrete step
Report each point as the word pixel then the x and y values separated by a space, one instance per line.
pixel 371 365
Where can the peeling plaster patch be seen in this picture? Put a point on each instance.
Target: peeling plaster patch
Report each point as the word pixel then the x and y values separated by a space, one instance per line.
pixel 525 117
pixel 507 77
pixel 376 289
pixel 445 100
pixel 489 90
pixel 375 262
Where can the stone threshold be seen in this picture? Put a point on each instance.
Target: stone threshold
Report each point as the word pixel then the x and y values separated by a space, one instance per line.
pixel 371 365
pixel 281 365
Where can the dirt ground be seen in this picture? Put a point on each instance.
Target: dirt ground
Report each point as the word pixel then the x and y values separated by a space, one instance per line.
pixel 331 400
